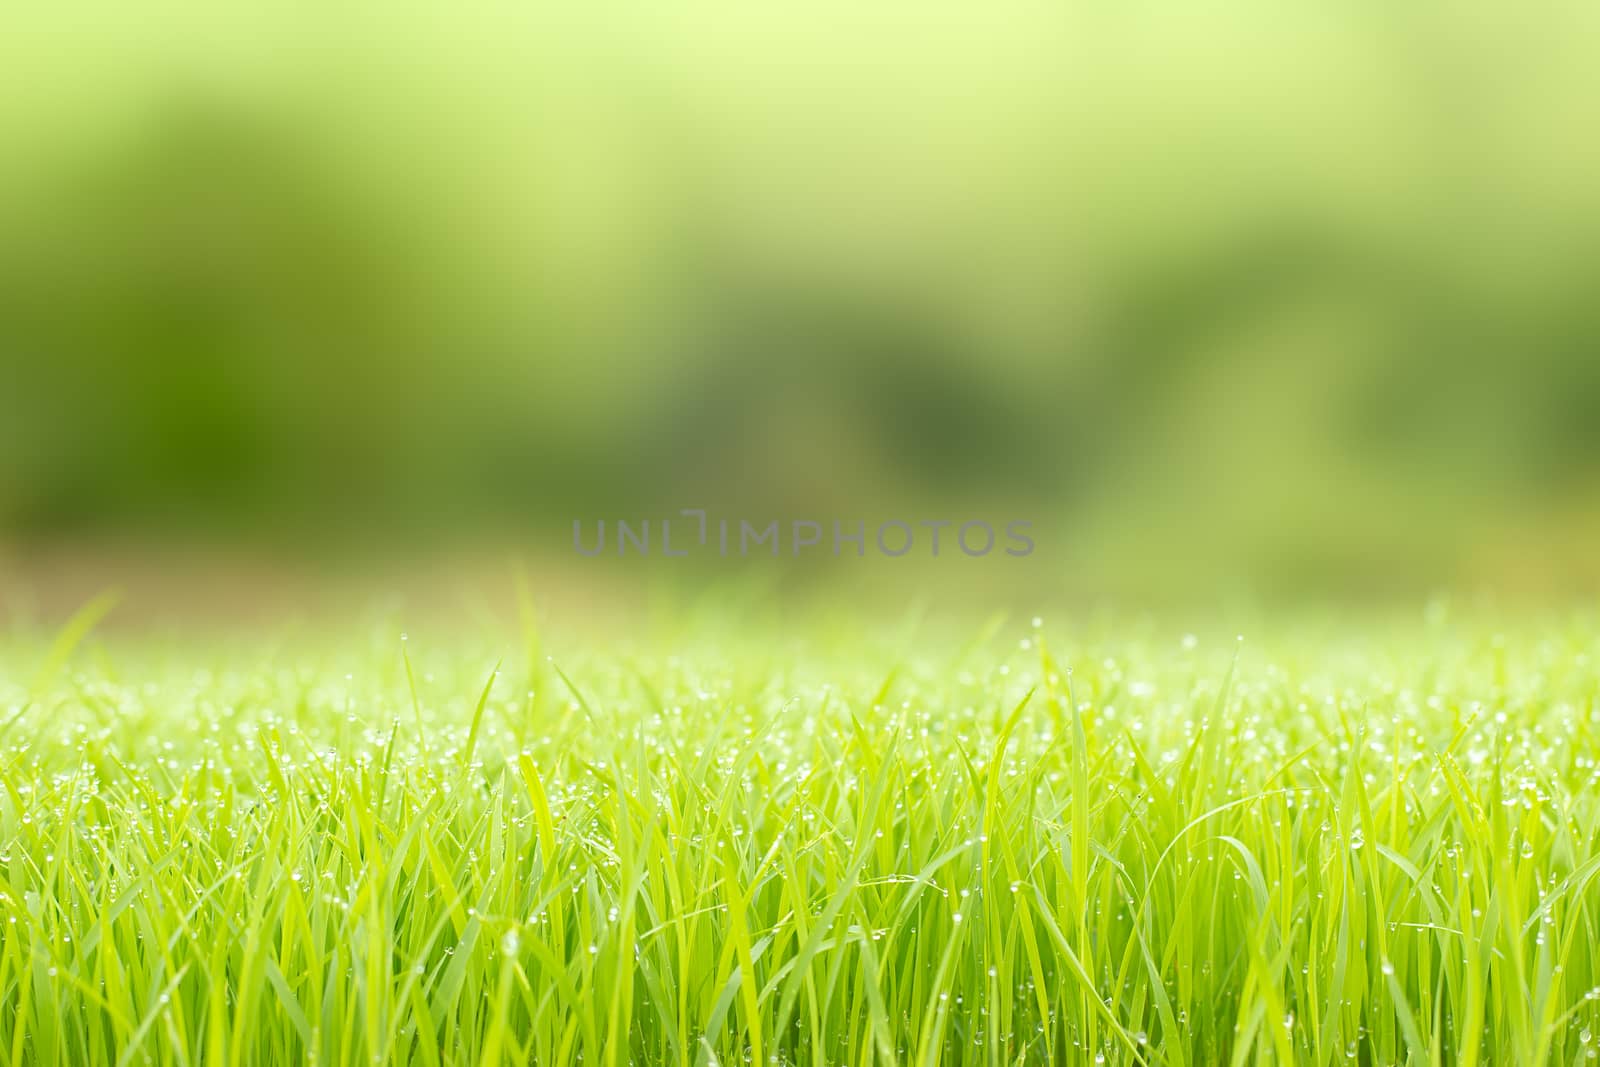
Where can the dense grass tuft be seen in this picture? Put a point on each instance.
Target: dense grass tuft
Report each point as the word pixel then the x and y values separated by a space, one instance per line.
pixel 1367 847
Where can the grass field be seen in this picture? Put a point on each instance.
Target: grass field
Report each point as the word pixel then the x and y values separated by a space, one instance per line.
pixel 1331 843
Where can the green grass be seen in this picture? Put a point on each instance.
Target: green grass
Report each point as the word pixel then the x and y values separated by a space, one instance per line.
pixel 1347 844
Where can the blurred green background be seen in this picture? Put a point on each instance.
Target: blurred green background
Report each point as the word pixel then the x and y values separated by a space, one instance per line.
pixel 1307 301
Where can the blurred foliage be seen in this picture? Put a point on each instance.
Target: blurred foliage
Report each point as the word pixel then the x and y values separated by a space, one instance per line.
pixel 1307 294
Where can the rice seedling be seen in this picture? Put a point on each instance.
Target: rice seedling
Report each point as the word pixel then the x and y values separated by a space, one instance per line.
pixel 1360 845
